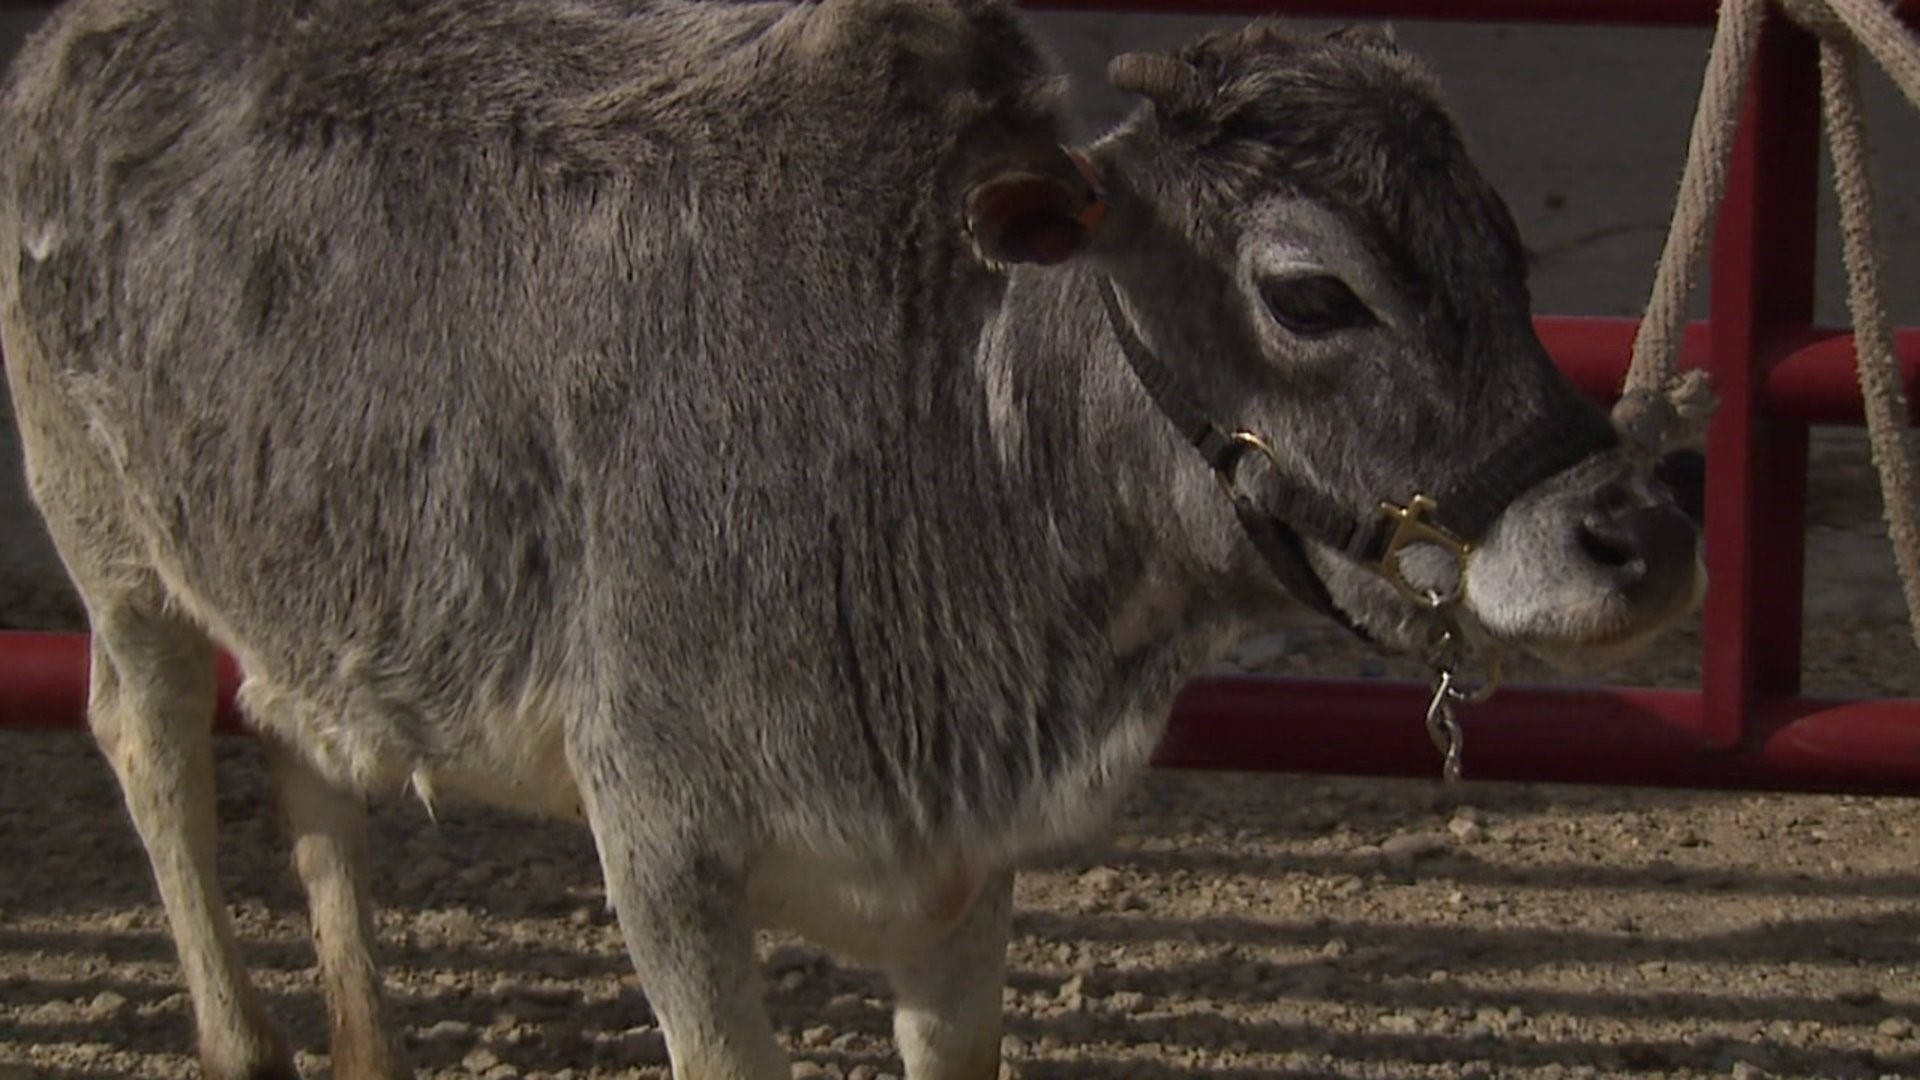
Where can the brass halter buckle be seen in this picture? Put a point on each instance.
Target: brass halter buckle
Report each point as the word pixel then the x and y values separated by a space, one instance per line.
pixel 1413 524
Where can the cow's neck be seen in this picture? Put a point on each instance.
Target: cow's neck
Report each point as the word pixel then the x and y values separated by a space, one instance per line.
pixel 1120 504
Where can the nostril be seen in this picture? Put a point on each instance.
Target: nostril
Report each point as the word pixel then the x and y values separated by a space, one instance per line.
pixel 1607 545
pixel 1614 500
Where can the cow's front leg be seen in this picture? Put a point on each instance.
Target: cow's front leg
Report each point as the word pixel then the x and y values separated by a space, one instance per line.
pixel 946 1017
pixel 675 875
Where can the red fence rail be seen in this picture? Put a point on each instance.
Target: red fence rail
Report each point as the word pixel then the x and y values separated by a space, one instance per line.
pixel 1747 726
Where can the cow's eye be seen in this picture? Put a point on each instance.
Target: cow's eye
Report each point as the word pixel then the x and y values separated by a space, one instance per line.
pixel 1314 304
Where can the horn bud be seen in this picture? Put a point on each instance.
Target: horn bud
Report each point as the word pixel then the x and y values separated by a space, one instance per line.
pixel 1172 85
pixel 1378 36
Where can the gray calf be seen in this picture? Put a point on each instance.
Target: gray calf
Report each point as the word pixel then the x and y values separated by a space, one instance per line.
pixel 714 419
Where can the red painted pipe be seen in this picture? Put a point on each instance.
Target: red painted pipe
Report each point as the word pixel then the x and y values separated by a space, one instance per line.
pixel 43 682
pixel 1583 735
pixel 1813 380
pixel 1810 374
pixel 1761 287
pixel 1593 735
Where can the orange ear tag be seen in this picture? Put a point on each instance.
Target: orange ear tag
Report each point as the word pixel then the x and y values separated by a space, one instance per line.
pixel 1096 211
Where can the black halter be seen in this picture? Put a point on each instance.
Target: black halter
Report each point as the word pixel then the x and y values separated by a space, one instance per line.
pixel 1283 510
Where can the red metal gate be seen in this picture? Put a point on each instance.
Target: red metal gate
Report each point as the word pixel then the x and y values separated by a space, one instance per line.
pixel 1776 373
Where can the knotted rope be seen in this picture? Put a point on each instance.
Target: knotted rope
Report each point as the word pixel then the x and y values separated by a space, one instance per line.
pixel 1660 409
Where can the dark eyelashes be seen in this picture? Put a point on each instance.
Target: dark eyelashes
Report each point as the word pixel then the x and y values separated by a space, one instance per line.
pixel 1315 304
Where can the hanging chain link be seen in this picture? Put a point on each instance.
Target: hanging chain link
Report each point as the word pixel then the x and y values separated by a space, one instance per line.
pixel 1442 727
pixel 1448 652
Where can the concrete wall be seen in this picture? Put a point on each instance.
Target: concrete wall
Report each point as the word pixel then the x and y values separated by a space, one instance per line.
pixel 1582 128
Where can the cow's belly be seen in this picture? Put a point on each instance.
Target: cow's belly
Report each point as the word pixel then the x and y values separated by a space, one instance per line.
pixel 513 756
pixel 865 900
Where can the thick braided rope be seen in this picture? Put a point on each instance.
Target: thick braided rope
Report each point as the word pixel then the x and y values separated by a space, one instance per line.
pixel 1873 26
pixel 1880 390
pixel 1657 410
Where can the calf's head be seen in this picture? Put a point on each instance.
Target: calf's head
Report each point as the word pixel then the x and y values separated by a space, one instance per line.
pixel 1294 238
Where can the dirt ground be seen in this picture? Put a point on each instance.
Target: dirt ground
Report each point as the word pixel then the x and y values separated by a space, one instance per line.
pixel 1231 926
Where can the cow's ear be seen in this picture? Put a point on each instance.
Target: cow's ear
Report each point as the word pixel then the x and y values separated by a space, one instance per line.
pixel 1041 207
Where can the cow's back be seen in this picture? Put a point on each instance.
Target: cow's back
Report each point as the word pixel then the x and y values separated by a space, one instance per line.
pixel 418 334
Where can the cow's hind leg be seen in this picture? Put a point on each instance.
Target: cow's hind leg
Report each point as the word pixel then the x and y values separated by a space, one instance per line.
pixel 677 883
pixel 947 1009
pixel 151 707
pixel 328 828
pixel 150 704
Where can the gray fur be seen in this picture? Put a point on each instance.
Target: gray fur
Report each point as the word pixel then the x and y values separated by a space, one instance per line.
pixel 598 403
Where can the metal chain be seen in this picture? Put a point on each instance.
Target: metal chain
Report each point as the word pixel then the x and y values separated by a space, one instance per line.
pixel 1442 727
pixel 1448 651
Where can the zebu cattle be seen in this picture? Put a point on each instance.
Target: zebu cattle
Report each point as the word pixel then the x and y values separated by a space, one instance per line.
pixel 747 426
